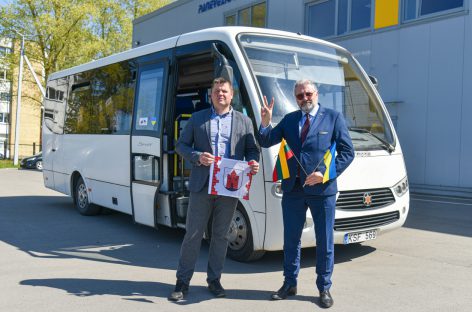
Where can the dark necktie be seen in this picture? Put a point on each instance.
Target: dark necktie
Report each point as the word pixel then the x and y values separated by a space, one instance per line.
pixel 305 128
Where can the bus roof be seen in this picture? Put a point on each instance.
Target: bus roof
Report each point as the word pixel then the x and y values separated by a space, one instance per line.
pixel 227 33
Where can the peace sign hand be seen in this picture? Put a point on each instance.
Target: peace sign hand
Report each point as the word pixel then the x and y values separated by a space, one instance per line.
pixel 266 112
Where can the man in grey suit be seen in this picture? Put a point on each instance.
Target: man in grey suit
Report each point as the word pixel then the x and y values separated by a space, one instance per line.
pixel 218 131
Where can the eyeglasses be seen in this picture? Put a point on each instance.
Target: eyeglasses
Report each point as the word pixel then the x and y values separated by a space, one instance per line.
pixel 301 96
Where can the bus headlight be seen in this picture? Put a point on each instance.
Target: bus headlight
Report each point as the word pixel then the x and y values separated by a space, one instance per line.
pixel 401 187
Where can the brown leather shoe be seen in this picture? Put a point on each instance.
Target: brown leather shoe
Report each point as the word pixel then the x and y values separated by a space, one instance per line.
pixel 284 291
pixel 326 301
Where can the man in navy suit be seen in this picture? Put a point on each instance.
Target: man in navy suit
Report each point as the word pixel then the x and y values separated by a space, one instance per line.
pixel 309 132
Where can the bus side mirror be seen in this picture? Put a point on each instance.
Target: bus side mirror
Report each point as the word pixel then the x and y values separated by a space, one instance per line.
pixel 222 67
pixel 374 81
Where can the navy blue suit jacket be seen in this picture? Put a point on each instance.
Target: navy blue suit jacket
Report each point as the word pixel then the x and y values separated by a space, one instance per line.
pixel 329 126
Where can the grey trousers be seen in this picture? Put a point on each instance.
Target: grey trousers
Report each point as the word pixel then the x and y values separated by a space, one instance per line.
pixel 200 207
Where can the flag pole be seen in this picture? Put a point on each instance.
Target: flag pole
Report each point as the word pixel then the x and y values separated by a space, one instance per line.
pixel 297 162
pixel 300 164
pixel 313 169
pixel 318 162
pixel 293 154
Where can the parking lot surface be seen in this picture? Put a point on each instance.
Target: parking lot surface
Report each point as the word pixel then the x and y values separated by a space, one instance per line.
pixel 53 259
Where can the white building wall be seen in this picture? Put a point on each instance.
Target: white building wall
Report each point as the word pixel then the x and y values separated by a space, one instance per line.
pixel 183 16
pixel 180 17
pixel 5 86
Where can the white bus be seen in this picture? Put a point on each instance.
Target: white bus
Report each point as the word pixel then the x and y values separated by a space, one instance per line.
pixel 110 128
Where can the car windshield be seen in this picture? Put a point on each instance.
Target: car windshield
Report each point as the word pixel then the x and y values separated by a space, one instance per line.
pixel 278 62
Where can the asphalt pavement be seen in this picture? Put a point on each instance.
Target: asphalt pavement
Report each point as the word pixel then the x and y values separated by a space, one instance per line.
pixel 53 259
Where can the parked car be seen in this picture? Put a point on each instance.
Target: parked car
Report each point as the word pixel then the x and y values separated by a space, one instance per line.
pixel 32 162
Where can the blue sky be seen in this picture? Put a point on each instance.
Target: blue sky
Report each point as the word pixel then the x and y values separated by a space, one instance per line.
pixel 3 2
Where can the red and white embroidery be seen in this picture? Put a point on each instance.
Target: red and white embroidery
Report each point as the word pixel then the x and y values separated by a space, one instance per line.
pixel 230 177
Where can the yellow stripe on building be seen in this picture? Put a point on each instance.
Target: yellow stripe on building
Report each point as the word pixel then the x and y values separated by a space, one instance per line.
pixel 386 13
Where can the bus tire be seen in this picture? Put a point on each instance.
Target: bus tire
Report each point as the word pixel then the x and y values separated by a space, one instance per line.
pixel 81 201
pixel 240 238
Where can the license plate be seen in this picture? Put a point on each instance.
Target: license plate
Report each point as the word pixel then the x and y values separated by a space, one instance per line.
pixel 350 238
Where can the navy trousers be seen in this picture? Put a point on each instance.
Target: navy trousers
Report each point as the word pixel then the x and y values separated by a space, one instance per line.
pixel 294 207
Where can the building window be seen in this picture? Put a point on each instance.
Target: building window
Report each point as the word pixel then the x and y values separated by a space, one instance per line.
pixel 360 14
pixel 321 17
pixel 337 17
pixel 258 16
pixel 54 94
pixel 417 8
pixel 4 96
pixel 3 74
pixel 230 20
pixel 254 16
pixel 244 17
pixel 4 51
pixel 4 117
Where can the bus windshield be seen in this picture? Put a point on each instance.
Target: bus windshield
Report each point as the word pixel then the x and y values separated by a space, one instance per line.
pixel 278 62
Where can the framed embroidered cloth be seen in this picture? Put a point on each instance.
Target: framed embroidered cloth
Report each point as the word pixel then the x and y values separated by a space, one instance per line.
pixel 229 177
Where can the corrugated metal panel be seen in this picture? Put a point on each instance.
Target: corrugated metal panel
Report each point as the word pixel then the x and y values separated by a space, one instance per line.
pixel 384 62
pixel 444 103
pixel 413 92
pixel 465 178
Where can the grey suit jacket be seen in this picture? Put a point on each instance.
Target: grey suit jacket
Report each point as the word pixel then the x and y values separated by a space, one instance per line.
pixel 196 139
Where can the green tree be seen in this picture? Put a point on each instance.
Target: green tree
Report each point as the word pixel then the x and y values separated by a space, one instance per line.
pixel 62 34
pixel 113 23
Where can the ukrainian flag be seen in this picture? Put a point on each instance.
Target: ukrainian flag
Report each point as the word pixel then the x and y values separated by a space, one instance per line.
pixel 330 163
pixel 281 167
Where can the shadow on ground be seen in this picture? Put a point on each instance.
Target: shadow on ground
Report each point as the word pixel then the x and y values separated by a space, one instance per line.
pixel 49 227
pixel 136 291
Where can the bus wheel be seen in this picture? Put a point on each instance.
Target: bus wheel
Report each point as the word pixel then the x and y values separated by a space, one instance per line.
pixel 241 247
pixel 81 200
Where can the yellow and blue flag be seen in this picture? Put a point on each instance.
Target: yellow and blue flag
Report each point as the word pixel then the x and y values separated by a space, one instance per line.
pixel 281 167
pixel 330 163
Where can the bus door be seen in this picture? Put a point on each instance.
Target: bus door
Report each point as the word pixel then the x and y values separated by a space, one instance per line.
pixel 146 145
pixel 53 135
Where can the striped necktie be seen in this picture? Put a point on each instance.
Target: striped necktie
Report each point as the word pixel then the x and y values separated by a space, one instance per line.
pixel 305 128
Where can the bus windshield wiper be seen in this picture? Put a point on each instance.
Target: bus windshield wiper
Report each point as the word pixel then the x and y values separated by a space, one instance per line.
pixel 384 144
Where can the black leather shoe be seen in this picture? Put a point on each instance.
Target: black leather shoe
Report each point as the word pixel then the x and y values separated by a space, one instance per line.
pixel 181 289
pixel 216 289
pixel 326 301
pixel 284 291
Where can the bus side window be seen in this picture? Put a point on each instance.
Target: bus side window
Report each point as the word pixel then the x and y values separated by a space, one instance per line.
pixel 150 96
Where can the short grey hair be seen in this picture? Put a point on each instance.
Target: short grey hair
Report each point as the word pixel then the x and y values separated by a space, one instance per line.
pixel 304 82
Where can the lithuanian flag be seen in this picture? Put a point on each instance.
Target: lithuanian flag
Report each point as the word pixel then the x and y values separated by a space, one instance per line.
pixel 281 167
pixel 330 163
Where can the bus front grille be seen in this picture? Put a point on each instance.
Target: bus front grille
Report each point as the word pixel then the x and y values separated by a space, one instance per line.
pixel 365 222
pixel 365 199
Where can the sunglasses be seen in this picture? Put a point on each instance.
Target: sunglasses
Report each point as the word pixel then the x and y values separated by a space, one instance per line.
pixel 301 96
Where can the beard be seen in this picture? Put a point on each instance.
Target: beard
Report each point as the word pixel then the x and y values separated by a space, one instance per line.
pixel 307 106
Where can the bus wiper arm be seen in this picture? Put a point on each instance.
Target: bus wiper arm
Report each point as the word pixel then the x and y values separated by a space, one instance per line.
pixel 385 144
